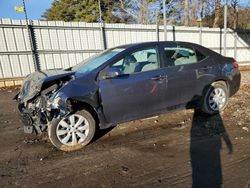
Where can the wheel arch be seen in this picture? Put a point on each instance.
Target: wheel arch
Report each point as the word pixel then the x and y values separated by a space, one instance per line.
pixel 226 81
pixel 207 89
pixel 80 105
pixel 217 79
pixel 221 80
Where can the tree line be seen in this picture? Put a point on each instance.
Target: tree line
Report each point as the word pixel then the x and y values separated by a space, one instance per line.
pixel 186 12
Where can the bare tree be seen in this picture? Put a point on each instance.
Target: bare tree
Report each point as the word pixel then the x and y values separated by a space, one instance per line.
pixel 122 3
pixel 217 14
pixel 201 8
pixel 192 12
pixel 139 10
pixel 186 12
pixel 234 5
pixel 127 10
pixel 145 11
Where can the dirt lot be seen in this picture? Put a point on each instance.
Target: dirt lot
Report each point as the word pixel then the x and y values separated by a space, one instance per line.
pixel 173 150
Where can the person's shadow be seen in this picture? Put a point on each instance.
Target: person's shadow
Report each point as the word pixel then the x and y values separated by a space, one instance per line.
pixel 207 133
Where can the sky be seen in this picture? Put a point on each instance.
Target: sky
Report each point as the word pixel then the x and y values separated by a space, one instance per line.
pixel 35 8
pixel 245 3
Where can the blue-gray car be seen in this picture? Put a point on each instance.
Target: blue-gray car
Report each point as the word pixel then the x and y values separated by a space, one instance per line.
pixel 125 83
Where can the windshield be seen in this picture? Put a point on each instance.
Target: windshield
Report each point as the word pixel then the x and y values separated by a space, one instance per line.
pixel 96 61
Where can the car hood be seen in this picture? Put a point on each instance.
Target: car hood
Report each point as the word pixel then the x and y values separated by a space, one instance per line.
pixel 34 82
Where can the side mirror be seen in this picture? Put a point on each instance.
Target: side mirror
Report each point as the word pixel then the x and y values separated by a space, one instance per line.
pixel 112 73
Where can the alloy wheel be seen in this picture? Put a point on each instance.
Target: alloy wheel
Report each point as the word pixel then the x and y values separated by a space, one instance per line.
pixel 217 99
pixel 72 130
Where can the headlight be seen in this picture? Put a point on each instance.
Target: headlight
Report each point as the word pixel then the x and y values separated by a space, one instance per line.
pixel 56 102
pixel 60 100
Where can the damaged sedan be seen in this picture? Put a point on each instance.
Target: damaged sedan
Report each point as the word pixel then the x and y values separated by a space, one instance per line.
pixel 121 84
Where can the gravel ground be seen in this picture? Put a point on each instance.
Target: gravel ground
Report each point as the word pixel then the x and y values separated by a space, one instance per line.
pixel 178 149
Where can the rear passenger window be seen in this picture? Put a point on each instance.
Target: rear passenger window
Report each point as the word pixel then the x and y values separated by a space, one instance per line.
pixel 180 56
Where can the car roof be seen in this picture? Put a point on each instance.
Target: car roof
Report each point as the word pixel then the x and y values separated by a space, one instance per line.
pixel 146 44
pixel 141 44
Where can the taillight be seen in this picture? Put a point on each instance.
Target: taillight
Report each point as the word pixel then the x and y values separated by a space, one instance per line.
pixel 235 64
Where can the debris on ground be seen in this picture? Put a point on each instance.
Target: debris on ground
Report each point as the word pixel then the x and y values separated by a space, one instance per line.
pixel 124 169
pixel 245 129
pixel 31 141
pixel 181 125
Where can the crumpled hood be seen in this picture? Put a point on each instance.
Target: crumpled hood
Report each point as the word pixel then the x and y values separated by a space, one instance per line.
pixel 33 83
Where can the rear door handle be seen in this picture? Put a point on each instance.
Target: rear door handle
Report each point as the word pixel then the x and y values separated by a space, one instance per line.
pixel 205 68
pixel 158 78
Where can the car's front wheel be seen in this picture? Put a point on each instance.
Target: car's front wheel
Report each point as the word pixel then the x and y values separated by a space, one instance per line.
pixel 72 132
pixel 215 98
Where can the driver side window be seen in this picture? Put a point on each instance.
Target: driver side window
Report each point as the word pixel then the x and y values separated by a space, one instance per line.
pixel 139 61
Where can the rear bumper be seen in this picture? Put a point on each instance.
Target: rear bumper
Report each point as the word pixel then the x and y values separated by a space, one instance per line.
pixel 235 82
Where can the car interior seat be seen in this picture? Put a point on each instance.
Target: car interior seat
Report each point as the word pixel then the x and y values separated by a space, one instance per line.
pixel 130 63
pixel 152 59
pixel 185 57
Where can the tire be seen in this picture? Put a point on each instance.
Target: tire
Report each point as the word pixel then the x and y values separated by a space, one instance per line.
pixel 215 98
pixel 66 137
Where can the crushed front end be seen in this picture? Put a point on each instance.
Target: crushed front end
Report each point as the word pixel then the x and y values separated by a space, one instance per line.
pixel 39 101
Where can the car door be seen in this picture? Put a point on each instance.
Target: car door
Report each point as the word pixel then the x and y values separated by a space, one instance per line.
pixel 138 91
pixel 181 64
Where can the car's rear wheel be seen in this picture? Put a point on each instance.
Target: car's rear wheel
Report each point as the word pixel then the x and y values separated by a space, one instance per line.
pixel 215 98
pixel 73 132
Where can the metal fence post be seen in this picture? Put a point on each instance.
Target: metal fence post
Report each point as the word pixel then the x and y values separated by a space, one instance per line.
pixel 31 36
pixel 200 34
pixel 225 28
pixel 235 44
pixel 220 40
pixel 33 45
pixel 164 20
pixel 157 31
pixel 103 36
pixel 157 24
pixel 174 34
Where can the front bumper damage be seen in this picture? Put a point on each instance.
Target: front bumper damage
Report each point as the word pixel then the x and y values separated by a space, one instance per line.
pixel 32 124
pixel 36 100
pixel 37 121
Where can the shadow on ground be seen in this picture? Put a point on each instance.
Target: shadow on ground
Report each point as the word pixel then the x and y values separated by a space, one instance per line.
pixel 207 133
